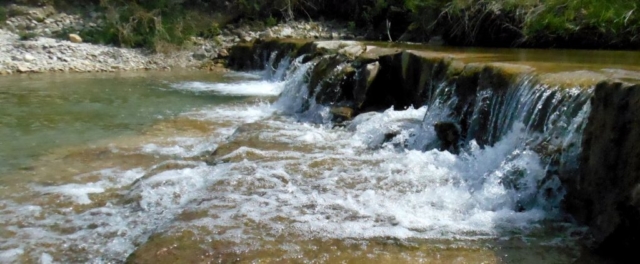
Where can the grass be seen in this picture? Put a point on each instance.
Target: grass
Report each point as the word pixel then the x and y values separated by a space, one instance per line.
pixel 611 19
pixel 591 23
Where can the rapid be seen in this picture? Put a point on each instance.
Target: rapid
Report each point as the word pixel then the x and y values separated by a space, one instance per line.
pixel 266 174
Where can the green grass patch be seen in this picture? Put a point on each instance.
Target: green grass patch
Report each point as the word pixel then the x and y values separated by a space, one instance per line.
pixel 599 22
pixel 612 18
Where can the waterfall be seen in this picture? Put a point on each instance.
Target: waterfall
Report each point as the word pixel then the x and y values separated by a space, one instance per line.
pixel 526 122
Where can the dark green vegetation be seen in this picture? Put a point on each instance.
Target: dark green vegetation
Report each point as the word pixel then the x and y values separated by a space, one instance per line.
pixel 502 23
pixel 3 14
pixel 543 23
pixel 27 35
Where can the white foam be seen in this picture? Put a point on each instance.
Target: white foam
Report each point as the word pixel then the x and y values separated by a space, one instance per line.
pixel 238 114
pixel 244 75
pixel 181 147
pixel 365 193
pixel 245 88
pixel 46 259
pixel 11 255
pixel 79 193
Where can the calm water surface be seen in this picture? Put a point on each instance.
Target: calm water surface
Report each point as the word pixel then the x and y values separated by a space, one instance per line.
pixel 39 113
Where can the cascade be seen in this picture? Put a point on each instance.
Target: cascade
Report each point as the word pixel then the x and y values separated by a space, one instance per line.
pixel 551 119
pixel 526 122
pixel 476 108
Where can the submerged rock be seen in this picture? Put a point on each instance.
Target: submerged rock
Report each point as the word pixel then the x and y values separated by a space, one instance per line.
pixel 449 135
pixel 341 114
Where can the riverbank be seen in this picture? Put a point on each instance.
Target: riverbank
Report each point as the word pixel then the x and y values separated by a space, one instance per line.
pixel 42 54
pixel 42 39
pixel 37 38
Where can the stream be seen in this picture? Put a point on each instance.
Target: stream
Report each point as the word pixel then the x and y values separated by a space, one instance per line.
pixel 197 167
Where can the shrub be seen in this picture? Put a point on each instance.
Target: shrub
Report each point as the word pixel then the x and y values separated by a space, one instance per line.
pixel 144 23
pixel 3 14
pixel 271 21
pixel 26 35
pixel 351 26
pixel 212 31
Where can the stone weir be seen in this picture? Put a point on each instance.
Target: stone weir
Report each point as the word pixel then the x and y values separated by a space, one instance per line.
pixel 586 125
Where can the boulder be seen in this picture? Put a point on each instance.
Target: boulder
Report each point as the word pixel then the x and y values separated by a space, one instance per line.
pixel 75 38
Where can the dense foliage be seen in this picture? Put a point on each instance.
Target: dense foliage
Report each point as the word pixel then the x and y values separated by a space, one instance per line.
pixel 545 23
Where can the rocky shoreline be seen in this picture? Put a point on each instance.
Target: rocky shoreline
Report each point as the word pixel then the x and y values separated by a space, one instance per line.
pixel 30 43
pixel 43 54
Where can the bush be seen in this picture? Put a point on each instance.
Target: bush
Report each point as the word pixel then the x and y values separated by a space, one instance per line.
pixel 351 26
pixel 271 21
pixel 147 24
pixel 3 15
pixel 25 35
pixel 212 31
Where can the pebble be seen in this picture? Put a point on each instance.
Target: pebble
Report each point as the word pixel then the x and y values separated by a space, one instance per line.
pixel 28 57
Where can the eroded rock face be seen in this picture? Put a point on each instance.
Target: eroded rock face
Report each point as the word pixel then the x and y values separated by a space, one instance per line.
pixel 368 74
pixel 606 196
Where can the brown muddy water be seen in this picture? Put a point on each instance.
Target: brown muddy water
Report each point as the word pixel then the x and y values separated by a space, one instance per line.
pixel 194 167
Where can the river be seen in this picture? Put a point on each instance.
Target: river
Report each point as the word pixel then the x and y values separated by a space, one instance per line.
pixel 186 167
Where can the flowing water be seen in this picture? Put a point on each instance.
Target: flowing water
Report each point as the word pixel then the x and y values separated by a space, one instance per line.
pixel 234 167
